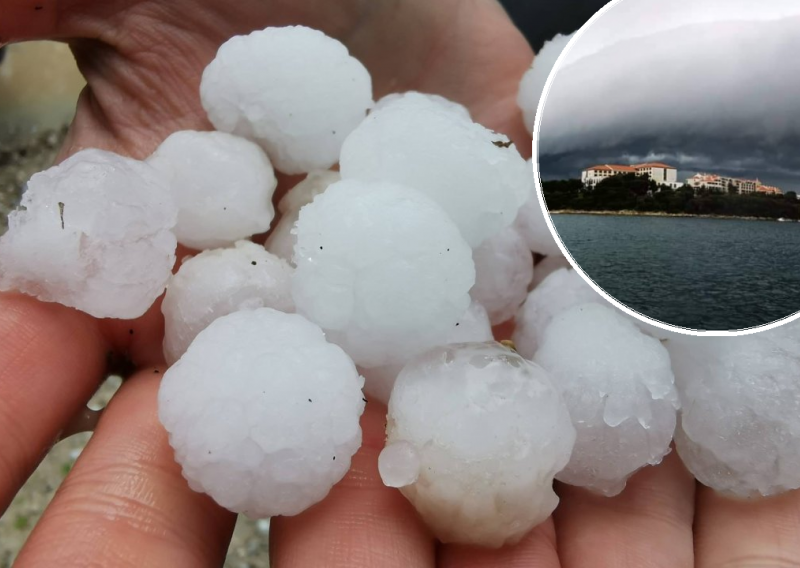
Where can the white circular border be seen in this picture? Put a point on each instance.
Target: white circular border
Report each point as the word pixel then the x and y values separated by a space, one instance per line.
pixel 548 218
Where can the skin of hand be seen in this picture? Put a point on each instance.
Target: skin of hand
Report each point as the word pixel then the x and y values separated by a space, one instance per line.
pixel 125 502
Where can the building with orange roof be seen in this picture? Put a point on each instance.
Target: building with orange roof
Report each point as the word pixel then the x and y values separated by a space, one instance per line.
pixel 768 189
pixel 723 183
pixel 660 173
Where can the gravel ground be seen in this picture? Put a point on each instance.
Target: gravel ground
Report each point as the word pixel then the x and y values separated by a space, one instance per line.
pixel 20 157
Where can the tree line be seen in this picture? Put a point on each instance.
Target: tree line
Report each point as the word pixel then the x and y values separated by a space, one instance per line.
pixel 631 192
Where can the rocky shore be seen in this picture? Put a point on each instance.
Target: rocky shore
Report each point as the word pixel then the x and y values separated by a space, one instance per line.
pixel 631 213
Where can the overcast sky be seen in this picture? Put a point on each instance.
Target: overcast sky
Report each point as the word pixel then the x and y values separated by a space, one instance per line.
pixel 704 85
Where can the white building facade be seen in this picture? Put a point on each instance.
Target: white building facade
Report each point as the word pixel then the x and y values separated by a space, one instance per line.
pixel 721 184
pixel 662 174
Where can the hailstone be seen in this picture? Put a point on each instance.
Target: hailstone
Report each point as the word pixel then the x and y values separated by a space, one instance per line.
pixel 475 174
pixel 445 103
pixel 531 224
pixel 475 434
pixel 739 430
pixel 503 272
pixel 382 269
pixel 294 90
pixel 222 185
pixel 281 240
pixel 472 327
pixel 93 233
pixel 560 291
pixel 618 386
pixel 219 282
pixel 532 85
pixel 262 412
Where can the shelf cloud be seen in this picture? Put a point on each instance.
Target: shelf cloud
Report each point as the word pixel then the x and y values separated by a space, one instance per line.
pixel 697 93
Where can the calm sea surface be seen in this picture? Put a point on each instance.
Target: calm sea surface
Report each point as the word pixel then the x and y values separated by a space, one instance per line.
pixel 699 273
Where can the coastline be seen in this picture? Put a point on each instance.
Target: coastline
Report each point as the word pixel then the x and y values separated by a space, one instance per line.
pixel 632 213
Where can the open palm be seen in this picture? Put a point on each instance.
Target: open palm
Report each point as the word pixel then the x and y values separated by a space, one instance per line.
pixel 125 502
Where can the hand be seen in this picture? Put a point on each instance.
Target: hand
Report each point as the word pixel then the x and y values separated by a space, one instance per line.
pixel 125 502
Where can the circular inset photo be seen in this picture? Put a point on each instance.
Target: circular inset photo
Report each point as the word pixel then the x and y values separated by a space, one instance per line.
pixel 667 146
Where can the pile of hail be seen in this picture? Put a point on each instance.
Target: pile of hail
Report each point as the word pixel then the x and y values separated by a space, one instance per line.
pixel 382 281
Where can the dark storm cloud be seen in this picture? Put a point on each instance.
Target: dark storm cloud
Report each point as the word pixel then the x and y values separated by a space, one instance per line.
pixel 720 97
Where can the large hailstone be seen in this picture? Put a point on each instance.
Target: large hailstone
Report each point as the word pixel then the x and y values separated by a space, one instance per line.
pixel 382 269
pixel 294 90
pixel 475 174
pixel 561 290
pixel 531 224
pixel 222 185
pixel 739 430
pixel 219 282
pixel 618 385
pixel 503 272
pixel 281 240
pixel 93 233
pixel 472 327
pixel 532 85
pixel 262 412
pixel 475 434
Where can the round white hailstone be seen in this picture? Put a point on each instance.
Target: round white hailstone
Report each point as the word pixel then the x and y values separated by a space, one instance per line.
pixel 437 99
pixel 281 240
pixel 503 272
pixel 218 282
pixel 532 85
pixel 546 267
pixel 487 431
pixel 93 233
pixel 475 174
pixel 294 90
pixel 222 185
pixel 262 412
pixel 531 224
pixel 558 292
pixel 472 327
pixel 620 393
pixel 382 269
pixel 739 430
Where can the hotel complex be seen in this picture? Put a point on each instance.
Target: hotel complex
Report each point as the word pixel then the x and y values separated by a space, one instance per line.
pixel 658 172
pixel 721 184
pixel 664 174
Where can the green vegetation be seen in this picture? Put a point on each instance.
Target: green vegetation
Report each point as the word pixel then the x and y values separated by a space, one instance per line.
pixel 630 192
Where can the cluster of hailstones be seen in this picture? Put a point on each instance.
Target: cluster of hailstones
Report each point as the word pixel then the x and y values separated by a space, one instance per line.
pixel 386 275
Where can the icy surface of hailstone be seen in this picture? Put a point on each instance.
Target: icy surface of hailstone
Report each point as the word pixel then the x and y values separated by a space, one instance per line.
pixel 382 269
pixel 281 240
pixel 93 233
pixel 414 95
pixel 546 267
pixel 475 174
pixel 221 184
pixel 294 90
pixel 558 292
pixel 472 327
pixel 262 412
pixel 531 224
pixel 739 430
pixel 618 385
pixel 503 272
pixel 532 86
pixel 219 282
pixel 488 430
